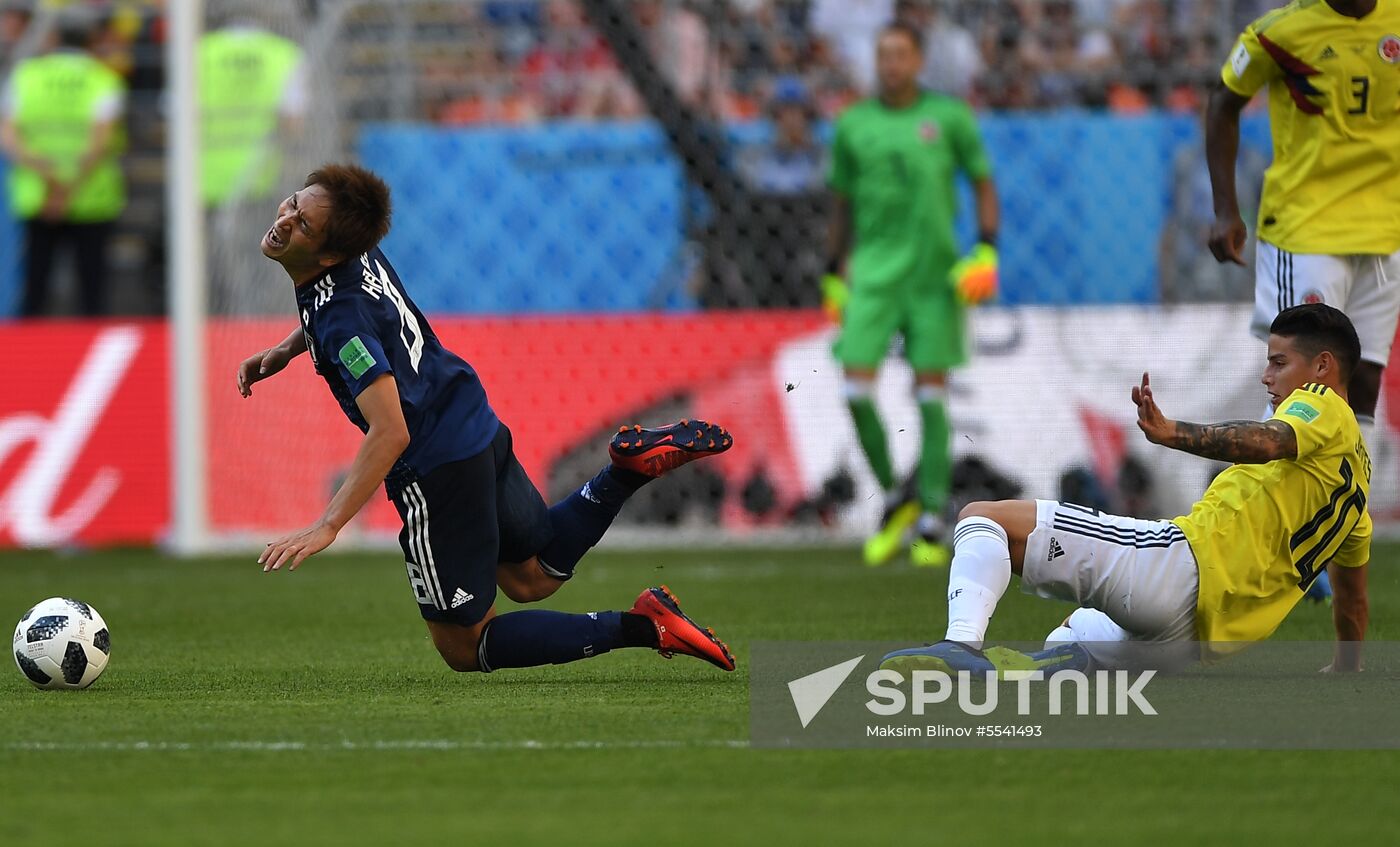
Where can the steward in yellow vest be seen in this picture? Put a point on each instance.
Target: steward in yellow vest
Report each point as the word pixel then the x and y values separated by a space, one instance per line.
pixel 247 82
pixel 60 128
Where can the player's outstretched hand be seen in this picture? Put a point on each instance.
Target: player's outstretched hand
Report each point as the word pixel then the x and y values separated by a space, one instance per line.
pixel 1151 421
pixel 260 366
pixel 292 550
pixel 1227 238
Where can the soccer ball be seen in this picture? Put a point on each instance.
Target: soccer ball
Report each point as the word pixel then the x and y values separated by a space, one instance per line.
pixel 62 643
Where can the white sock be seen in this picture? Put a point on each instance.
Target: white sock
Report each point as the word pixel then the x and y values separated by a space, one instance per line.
pixel 979 575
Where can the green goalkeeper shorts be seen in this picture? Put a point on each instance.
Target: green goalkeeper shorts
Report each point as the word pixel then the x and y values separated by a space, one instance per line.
pixel 931 321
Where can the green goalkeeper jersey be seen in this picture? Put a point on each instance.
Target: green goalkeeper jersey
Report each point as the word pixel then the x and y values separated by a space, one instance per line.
pixel 898 169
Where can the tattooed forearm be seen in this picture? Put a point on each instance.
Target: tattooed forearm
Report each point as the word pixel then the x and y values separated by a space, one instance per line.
pixel 1250 442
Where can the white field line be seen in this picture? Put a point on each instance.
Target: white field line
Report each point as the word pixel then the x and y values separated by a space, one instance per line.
pixel 446 744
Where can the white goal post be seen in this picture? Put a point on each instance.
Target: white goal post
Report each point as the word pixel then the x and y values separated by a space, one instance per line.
pixel 185 285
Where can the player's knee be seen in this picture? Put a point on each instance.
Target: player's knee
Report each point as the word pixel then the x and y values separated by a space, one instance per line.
pixel 524 591
pixel 1015 517
pixel 459 658
pixel 978 509
pixel 1061 634
pixel 515 591
pixel 526 582
pixel 457 645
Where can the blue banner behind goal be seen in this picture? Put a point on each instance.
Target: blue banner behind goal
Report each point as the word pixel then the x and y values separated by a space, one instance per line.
pixel 594 217
pixel 597 217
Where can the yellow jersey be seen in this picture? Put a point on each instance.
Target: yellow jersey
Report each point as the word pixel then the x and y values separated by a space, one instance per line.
pixel 1334 110
pixel 1262 532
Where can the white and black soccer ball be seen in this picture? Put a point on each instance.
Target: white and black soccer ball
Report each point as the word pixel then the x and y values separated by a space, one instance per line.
pixel 62 643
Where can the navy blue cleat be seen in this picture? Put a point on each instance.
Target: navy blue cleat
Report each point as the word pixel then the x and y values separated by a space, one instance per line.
pixel 952 656
pixel 1069 656
pixel 946 656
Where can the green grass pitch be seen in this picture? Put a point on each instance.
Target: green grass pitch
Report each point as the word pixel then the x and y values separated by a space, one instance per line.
pixel 310 708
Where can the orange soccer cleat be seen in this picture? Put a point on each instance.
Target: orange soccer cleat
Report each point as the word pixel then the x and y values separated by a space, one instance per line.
pixel 653 452
pixel 677 633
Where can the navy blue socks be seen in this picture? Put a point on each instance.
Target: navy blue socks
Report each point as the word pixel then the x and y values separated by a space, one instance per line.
pixel 580 519
pixel 533 637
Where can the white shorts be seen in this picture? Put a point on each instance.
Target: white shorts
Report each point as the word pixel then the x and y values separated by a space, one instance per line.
pixel 1366 288
pixel 1135 580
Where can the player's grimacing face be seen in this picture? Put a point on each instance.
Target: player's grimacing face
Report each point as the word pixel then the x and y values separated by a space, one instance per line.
pixel 897 61
pixel 299 230
pixel 1287 369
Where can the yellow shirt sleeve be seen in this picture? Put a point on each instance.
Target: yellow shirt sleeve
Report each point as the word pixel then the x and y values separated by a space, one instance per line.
pixel 1315 425
pixel 1249 67
pixel 1356 549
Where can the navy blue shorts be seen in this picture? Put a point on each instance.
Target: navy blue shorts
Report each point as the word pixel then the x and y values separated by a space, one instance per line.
pixel 463 519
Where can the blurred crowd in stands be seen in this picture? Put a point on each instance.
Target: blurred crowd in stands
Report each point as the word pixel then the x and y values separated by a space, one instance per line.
pixel 539 59
pixel 516 61
pixel 127 39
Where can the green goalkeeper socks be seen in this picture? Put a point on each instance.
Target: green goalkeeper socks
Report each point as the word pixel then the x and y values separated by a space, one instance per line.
pixel 872 439
pixel 935 463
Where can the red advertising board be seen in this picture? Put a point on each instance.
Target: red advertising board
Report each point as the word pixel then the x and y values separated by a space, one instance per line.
pixel 85 434
pixel 85 437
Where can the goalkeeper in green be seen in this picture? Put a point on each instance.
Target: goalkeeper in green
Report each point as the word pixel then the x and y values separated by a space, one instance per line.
pixel 894 164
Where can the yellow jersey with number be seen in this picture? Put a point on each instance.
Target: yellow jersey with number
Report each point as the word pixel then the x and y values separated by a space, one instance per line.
pixel 1263 532
pixel 1334 109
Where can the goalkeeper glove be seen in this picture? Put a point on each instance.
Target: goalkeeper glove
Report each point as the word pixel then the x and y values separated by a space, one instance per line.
pixel 835 294
pixel 974 277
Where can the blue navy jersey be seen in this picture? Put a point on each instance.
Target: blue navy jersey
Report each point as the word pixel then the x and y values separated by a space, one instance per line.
pixel 360 324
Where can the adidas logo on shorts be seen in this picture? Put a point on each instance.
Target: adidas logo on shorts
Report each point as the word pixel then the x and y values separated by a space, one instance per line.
pixel 1056 551
pixel 461 597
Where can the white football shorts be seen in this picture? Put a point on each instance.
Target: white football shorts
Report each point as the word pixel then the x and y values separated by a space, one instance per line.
pixel 1134 580
pixel 1366 288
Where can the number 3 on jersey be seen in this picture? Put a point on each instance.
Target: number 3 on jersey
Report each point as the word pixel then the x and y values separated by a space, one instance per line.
pixel 1361 92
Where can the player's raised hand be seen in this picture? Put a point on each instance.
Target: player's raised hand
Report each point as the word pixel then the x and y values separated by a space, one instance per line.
pixel 260 366
pixel 1227 238
pixel 292 550
pixel 1151 421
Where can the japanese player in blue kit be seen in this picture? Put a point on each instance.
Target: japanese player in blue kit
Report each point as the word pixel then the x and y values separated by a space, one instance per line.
pixel 472 519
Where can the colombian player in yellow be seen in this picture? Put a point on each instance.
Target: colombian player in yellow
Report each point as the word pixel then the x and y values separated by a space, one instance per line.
pixel 894 165
pixel 1293 503
pixel 1329 217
